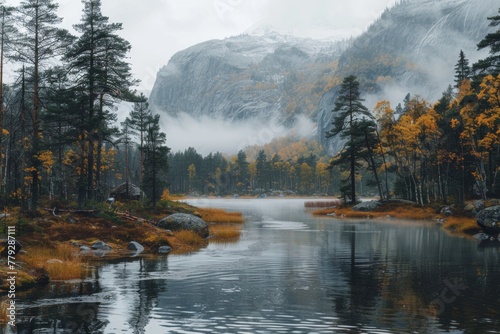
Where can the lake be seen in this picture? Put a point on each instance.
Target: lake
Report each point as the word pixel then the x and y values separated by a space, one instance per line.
pixel 290 272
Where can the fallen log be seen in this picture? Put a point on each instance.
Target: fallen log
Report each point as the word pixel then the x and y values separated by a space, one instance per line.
pixel 130 217
pixel 75 211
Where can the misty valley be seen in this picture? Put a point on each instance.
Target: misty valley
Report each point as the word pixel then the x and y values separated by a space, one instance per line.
pixel 265 183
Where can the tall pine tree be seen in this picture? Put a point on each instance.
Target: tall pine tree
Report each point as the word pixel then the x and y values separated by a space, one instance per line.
pixel 40 43
pixel 462 69
pixel 348 110
pixel 97 61
pixel 155 160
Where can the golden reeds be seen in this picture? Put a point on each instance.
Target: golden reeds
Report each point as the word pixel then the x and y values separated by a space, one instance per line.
pixel 61 262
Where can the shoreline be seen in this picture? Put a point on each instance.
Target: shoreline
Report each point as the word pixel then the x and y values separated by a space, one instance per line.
pixel 57 245
pixel 459 223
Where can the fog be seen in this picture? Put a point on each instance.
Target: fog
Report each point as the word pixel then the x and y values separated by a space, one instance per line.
pixel 210 135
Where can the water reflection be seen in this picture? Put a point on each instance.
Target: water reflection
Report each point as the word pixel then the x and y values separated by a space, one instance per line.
pixel 289 272
pixel 88 307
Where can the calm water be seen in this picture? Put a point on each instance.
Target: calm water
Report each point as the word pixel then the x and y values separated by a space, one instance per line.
pixel 289 273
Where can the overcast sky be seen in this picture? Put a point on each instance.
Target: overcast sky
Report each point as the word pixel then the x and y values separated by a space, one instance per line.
pixel 157 29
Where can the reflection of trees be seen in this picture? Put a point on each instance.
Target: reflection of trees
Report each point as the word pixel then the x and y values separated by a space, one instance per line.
pixel 407 278
pixel 148 289
pixel 74 317
pixel 363 281
pixel 78 318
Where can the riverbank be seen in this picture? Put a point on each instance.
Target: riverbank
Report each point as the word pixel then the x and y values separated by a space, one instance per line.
pixel 455 221
pixel 57 244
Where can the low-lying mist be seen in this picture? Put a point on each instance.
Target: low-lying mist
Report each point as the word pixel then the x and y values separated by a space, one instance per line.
pixel 207 135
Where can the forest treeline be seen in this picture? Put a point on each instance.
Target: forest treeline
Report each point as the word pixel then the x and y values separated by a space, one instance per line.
pixel 286 166
pixel 58 118
pixel 441 152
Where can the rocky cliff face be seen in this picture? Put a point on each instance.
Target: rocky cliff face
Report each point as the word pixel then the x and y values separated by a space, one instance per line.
pixel 411 48
pixel 245 77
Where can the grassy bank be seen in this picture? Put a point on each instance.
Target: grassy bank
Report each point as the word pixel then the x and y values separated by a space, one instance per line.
pixel 460 223
pixel 51 240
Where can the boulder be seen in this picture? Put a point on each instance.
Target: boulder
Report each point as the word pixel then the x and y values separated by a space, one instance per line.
pixel 100 245
pixel 135 246
pixel 489 220
pixel 134 192
pixel 85 249
pixel 366 206
pixel 474 207
pixel 470 208
pixel 447 211
pixel 479 205
pixel 184 221
pixel 481 236
pixel 164 249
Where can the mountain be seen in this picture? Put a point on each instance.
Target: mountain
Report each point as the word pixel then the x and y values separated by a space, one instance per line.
pixel 271 77
pixel 411 48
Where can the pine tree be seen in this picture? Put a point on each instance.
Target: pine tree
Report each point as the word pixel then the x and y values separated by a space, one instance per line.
pixel 7 32
pixel 241 170
pixel 126 140
pixel 462 69
pixel 491 64
pixel 155 160
pixel 262 169
pixel 40 43
pixel 348 109
pixel 139 118
pixel 97 61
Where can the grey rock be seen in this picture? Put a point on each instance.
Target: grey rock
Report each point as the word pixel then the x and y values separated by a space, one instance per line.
pixel 446 211
pixel 85 249
pixel 164 249
pixel 489 220
pixel 366 206
pixel 134 192
pixel 470 208
pixel 481 236
pixel 184 221
pixel 478 204
pixel 101 245
pixel 135 246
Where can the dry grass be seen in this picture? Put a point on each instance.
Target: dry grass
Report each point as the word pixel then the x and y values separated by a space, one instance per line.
pixel 225 232
pixel 393 209
pixel 61 262
pixel 461 225
pixel 190 238
pixel 224 226
pixel 167 196
pixel 220 216
pixel 4 304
